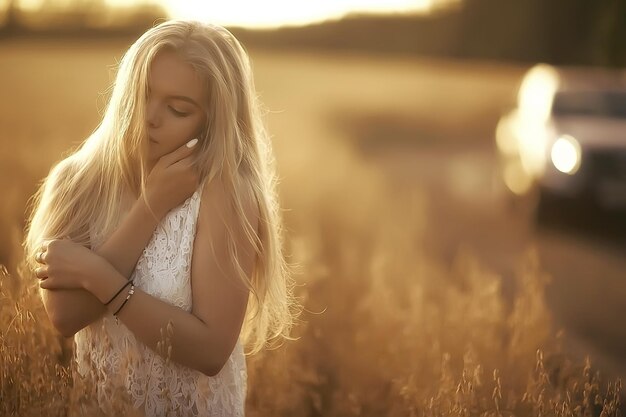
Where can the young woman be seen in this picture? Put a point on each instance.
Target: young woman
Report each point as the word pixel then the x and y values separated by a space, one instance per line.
pixel 158 241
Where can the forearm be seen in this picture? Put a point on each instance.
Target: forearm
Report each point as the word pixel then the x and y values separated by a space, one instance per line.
pixel 71 310
pixel 125 245
pixel 193 343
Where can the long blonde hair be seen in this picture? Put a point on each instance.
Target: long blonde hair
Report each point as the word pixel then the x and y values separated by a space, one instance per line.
pixel 81 197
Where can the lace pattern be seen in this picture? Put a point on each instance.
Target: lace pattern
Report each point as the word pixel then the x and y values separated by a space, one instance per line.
pixel 110 353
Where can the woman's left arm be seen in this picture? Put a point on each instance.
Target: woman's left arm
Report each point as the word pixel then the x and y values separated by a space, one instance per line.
pixel 204 338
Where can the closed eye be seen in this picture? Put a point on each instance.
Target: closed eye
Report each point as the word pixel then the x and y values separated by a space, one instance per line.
pixel 177 113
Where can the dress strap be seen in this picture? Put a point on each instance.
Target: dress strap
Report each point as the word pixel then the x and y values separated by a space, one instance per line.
pixel 195 201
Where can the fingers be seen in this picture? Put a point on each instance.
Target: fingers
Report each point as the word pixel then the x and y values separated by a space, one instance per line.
pixel 185 171
pixel 185 163
pixel 46 284
pixel 45 244
pixel 41 272
pixel 182 152
pixel 40 255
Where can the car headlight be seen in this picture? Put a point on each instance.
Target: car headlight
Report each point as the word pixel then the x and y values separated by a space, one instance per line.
pixel 566 154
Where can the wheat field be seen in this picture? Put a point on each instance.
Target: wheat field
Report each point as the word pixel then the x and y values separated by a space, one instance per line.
pixel 386 329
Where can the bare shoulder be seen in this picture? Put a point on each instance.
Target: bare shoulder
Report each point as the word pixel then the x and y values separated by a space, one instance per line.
pixel 217 204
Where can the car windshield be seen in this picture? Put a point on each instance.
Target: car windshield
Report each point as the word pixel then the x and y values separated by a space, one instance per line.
pixel 590 103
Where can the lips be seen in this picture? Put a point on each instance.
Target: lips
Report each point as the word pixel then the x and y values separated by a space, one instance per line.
pixel 152 140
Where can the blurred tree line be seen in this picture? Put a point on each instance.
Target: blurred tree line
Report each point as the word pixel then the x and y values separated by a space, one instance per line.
pixel 580 32
pixel 562 32
pixel 73 17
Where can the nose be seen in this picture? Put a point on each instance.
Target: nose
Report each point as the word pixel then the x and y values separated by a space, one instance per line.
pixel 152 115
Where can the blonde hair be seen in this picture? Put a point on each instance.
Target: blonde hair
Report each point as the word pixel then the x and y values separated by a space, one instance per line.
pixel 82 195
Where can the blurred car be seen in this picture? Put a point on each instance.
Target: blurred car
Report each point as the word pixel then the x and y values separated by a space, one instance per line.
pixel 564 143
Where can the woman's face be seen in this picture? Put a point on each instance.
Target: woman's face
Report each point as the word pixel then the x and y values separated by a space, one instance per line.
pixel 175 105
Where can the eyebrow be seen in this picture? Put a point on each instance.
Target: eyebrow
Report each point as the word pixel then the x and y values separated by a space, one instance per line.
pixel 185 98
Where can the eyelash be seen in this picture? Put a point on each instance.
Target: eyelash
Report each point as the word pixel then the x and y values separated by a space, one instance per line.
pixel 177 113
pixel 174 111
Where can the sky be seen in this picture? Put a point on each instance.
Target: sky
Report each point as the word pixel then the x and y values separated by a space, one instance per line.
pixel 274 13
pixel 256 13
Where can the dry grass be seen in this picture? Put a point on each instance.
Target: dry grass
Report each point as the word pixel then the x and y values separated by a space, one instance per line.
pixel 388 331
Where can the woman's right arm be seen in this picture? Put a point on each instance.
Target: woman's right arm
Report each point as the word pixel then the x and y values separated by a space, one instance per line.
pixel 170 182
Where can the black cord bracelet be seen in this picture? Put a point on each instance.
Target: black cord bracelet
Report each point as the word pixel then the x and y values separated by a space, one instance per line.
pixel 130 293
pixel 118 292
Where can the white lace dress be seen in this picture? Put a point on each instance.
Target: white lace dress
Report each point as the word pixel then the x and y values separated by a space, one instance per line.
pixel 118 363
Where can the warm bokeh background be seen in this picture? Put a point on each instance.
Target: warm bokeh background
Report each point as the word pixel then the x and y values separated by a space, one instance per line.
pixel 425 290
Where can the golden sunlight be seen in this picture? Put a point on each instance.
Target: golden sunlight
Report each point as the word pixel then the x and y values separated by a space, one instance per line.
pixel 275 13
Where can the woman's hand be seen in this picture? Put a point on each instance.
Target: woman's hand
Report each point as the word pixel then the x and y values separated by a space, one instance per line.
pixel 67 265
pixel 172 180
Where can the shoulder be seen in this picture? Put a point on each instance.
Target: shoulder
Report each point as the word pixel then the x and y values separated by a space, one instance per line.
pixel 60 183
pixel 63 180
pixel 225 205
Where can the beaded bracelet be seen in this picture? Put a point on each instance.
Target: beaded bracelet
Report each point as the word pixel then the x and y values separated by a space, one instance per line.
pixel 118 293
pixel 130 293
